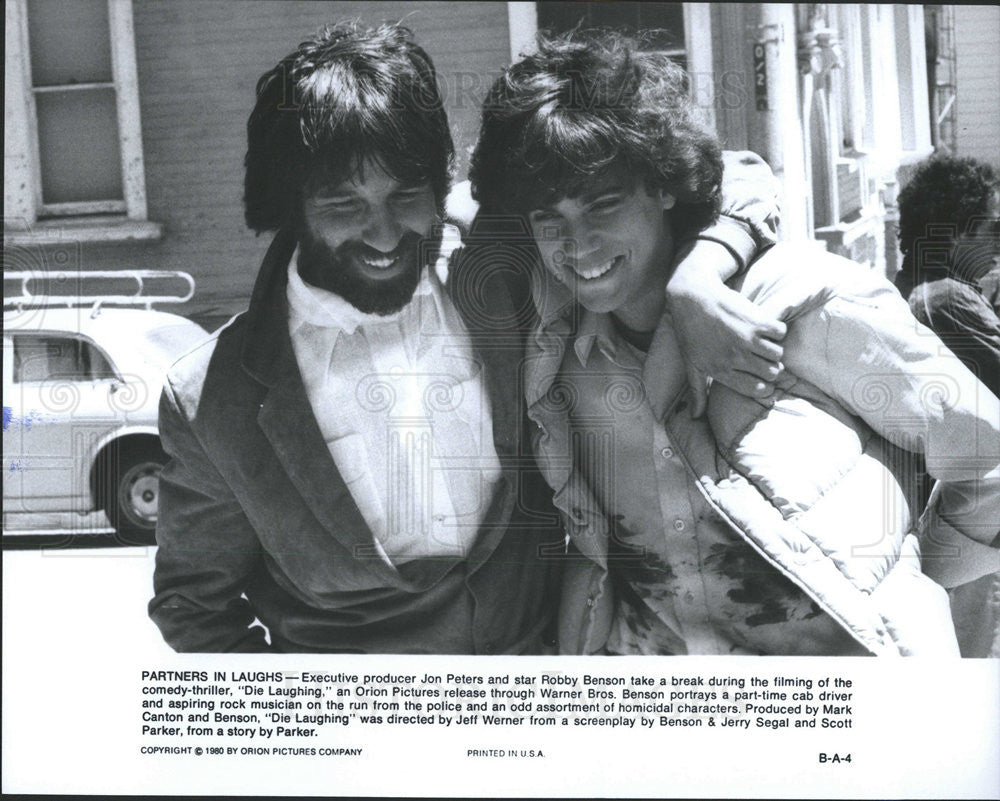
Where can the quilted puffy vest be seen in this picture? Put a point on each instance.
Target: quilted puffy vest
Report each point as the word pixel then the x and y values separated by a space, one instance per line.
pixel 807 482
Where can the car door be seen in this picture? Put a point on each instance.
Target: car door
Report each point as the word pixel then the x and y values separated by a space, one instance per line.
pixel 59 408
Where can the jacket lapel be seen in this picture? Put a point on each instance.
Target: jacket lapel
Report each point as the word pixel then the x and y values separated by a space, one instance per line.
pixel 286 417
pixel 287 420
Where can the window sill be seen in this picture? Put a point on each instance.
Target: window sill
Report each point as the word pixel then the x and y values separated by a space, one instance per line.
pixel 907 157
pixel 97 229
pixel 845 232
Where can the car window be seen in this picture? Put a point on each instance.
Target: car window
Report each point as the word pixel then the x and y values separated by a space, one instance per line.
pixel 45 357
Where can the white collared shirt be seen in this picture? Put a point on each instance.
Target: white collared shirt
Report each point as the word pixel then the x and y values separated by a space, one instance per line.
pixel 401 405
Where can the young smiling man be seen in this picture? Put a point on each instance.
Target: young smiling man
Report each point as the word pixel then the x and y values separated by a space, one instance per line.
pixel 347 460
pixel 765 529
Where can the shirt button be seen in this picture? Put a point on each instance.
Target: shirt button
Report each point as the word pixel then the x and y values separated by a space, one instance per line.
pixel 679 525
pixel 667 453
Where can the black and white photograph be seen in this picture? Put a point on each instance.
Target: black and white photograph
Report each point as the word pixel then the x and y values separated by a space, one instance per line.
pixel 450 398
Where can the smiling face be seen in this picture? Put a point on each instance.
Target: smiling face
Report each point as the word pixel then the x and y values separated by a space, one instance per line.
pixel 368 238
pixel 611 246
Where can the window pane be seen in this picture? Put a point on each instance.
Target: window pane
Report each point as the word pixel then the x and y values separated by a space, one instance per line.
pixel 78 146
pixel 93 363
pixel 44 358
pixel 70 41
pixel 668 20
pixel 629 18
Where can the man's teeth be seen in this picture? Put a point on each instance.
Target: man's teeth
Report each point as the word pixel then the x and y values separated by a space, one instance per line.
pixel 380 263
pixel 598 271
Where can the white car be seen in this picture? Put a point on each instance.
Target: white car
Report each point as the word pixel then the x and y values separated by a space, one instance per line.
pixel 81 387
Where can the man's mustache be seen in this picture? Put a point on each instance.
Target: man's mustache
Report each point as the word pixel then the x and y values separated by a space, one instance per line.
pixel 355 249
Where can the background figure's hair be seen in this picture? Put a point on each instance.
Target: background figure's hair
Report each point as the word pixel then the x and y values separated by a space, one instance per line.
pixel 584 103
pixel 946 192
pixel 348 95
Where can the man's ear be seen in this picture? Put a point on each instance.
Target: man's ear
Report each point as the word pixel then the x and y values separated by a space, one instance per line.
pixel 666 199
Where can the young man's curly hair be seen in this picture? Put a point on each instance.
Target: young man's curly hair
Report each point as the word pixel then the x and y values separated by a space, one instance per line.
pixel 348 95
pixel 585 103
pixel 938 203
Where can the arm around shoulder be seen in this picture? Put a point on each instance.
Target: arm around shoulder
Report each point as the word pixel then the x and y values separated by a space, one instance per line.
pixel 721 334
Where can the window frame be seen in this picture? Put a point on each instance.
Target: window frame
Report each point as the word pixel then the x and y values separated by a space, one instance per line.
pixel 78 340
pixel 28 219
pixel 525 15
pixel 522 19
pixel 523 23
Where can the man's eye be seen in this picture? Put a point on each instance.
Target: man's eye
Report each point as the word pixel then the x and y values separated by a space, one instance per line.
pixel 408 195
pixel 607 203
pixel 540 217
pixel 339 206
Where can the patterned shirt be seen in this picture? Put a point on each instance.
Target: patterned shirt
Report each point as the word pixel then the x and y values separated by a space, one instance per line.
pixel 687 582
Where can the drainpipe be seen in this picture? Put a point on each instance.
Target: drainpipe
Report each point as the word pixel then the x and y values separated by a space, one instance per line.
pixel 774 127
pixel 767 80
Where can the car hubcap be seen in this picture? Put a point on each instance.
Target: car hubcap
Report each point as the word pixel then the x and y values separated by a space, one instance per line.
pixel 139 493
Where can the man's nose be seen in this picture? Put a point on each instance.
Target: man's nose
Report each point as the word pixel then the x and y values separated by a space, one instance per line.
pixel 579 239
pixel 382 230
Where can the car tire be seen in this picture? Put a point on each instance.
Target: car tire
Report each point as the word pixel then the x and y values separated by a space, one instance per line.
pixel 132 493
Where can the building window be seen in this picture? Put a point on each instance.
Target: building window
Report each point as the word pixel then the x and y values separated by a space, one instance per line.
pixel 663 21
pixel 682 31
pixel 73 148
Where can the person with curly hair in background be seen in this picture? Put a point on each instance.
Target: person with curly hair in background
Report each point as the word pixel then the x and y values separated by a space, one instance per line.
pixel 949 234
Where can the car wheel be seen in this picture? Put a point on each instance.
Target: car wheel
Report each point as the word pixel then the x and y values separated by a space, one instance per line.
pixel 133 494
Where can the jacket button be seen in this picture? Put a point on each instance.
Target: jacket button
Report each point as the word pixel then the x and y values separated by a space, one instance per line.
pixel 679 525
pixel 667 453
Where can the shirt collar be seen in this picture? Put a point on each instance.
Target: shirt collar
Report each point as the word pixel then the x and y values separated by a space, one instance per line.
pixel 552 299
pixel 595 329
pixel 560 315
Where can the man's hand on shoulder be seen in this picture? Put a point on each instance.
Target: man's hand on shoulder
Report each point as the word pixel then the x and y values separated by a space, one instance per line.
pixel 721 334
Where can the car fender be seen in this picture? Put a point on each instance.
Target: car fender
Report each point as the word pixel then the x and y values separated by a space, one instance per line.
pixel 119 433
pixel 126 431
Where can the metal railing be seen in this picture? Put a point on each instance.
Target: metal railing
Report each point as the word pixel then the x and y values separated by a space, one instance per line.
pixel 27 299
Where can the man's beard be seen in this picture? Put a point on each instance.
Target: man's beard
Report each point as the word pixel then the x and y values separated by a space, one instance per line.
pixel 335 270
